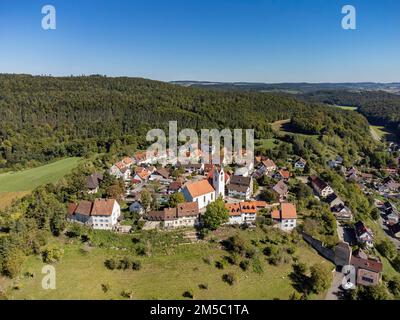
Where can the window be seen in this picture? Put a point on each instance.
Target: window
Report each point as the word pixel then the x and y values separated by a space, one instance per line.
pixel 204 199
pixel 369 280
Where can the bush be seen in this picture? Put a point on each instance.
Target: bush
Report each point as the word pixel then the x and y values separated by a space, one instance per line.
pixel 229 278
pixel 394 286
pixel 110 264
pixel 219 265
pixel 127 294
pixel 105 287
pixel 387 249
pixel 136 265
pixel 188 295
pixel 52 254
pixel 124 264
pixel 244 265
pixel 203 286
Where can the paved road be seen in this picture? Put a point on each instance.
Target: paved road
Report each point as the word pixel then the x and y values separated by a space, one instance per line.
pixel 335 291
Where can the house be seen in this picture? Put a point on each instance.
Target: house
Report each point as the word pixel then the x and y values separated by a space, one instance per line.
pixel 193 168
pixel 240 187
pixel 244 212
pixel 321 187
pixel 140 158
pixel 203 192
pixel 368 270
pixel 268 165
pixel 184 215
pixel 342 213
pixel 334 201
pixel 282 190
pixel 136 207
pixel 338 161
pixel 395 230
pixel 285 216
pixel 174 187
pixel 125 173
pixel 364 235
pixel 300 164
pixel 102 214
pixel 142 174
pixel 128 162
pixel 282 174
pixel 161 175
pixel 93 182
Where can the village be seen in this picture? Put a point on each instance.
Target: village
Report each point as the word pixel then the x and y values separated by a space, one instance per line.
pixel 172 196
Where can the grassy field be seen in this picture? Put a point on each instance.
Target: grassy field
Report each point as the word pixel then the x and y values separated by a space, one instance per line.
pixel 267 143
pixel 80 275
pixel 379 131
pixel 283 126
pixel 17 184
pixel 347 108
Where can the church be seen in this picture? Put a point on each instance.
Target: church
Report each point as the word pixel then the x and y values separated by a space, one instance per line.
pixel 206 191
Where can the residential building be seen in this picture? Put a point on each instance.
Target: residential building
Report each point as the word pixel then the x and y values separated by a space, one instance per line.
pixel 364 235
pixel 334 201
pixel 102 214
pixel 300 164
pixel 282 190
pixel 244 212
pixel 184 215
pixel 93 182
pixel 285 216
pixel 321 187
pixel 240 187
pixel 368 270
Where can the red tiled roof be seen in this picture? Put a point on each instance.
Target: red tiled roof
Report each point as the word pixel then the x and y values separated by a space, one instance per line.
pixel 103 207
pixel 199 188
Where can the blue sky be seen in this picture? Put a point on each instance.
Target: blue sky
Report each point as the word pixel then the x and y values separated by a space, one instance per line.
pixel 216 40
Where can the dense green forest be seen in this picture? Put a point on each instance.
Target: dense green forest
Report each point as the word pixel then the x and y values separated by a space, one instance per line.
pixel 46 117
pixel 380 107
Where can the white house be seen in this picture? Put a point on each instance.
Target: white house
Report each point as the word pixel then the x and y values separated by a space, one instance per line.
pixel 364 234
pixel 244 212
pixel 300 164
pixel 102 214
pixel 321 187
pixel 240 187
pixel 286 216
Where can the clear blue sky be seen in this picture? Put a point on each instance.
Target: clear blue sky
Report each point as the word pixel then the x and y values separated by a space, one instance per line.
pixel 217 40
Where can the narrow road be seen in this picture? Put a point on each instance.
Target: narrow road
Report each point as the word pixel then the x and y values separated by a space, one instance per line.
pixel 335 291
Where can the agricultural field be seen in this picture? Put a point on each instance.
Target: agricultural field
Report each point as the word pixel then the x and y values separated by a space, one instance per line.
pixel 347 108
pixel 81 274
pixel 284 127
pixel 379 132
pixel 16 184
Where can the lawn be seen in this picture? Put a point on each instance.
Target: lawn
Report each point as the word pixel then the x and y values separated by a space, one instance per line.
pixel 347 108
pixel 19 183
pixel 284 127
pixel 80 275
pixel 267 143
pixel 379 131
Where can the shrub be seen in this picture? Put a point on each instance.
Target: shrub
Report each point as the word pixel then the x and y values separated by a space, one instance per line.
pixel 124 264
pixel 105 287
pixel 219 265
pixel 188 295
pixel 229 278
pixel 127 294
pixel 110 264
pixel 244 265
pixel 136 265
pixel 52 254
pixel 203 286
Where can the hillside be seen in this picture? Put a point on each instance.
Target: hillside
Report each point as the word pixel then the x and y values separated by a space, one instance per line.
pixel 381 108
pixel 46 117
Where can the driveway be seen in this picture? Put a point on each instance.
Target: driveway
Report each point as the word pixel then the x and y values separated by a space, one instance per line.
pixel 335 290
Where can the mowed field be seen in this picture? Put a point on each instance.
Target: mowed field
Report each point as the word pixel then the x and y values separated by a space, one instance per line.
pixel 14 185
pixel 81 274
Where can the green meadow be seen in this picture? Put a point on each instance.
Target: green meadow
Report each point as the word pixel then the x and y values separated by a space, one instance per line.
pixel 16 184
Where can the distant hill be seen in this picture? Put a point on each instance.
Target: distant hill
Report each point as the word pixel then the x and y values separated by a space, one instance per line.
pixel 43 118
pixel 292 87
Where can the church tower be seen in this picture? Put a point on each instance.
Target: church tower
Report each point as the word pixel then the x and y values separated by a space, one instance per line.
pixel 219 182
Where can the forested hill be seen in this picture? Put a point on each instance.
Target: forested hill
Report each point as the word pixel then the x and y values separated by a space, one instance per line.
pixel 378 106
pixel 47 117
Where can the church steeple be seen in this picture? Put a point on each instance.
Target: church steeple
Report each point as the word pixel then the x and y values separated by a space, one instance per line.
pixel 219 181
